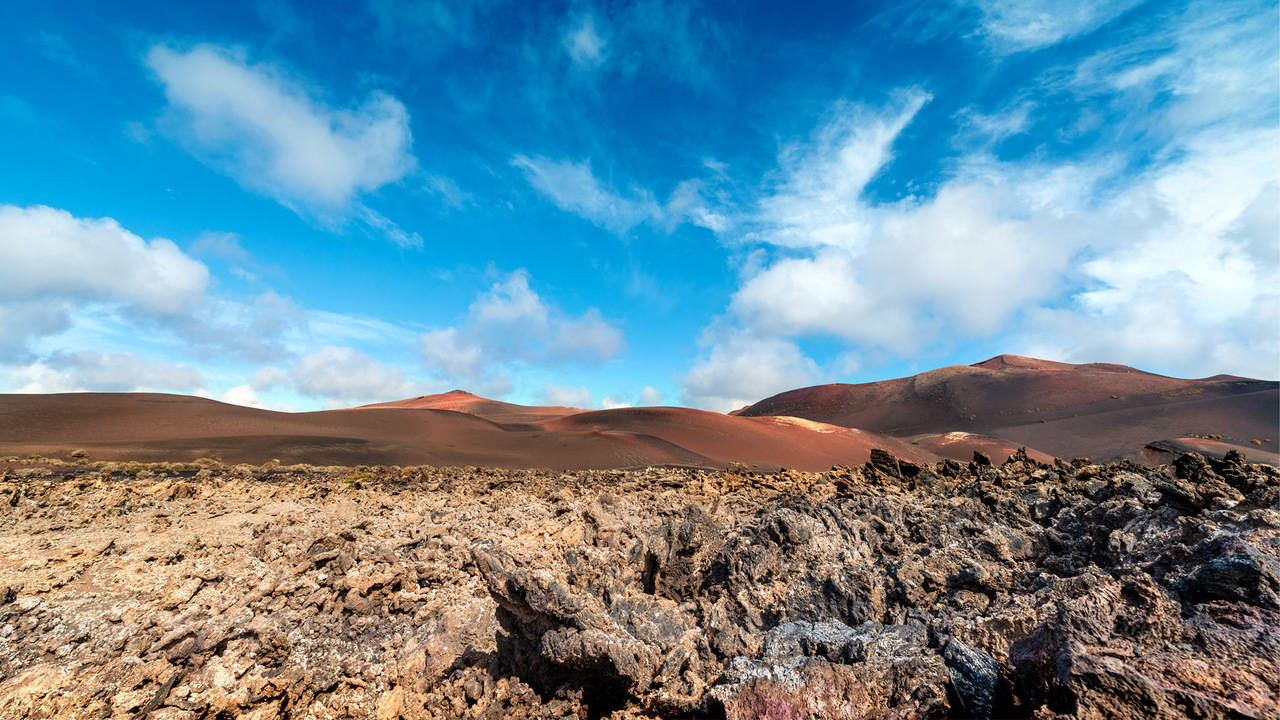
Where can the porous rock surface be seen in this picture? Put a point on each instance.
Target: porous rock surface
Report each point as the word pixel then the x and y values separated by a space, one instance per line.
pixel 885 591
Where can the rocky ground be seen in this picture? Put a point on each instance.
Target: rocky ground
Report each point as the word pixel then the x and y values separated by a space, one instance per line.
pixel 887 591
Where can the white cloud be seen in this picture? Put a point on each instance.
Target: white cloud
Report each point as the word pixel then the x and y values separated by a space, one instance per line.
pixel 989 242
pixel 814 201
pixel 574 188
pixel 446 352
pixel 650 396
pixel 22 321
pixel 346 375
pixel 994 127
pixel 242 395
pixel 583 42
pixel 104 372
pixel 48 252
pixel 1016 25
pixel 578 397
pixel 258 328
pixel 450 193
pixel 587 338
pixel 268 377
pixel 743 368
pixel 1171 267
pixel 51 261
pixel 221 245
pixel 689 203
pixel 510 324
pixel 270 132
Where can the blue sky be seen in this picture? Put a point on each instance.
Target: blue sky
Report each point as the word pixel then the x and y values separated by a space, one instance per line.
pixel 298 206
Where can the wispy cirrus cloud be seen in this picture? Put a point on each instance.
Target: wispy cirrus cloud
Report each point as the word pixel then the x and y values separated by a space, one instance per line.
pixel 573 187
pixel 584 44
pixel 1011 26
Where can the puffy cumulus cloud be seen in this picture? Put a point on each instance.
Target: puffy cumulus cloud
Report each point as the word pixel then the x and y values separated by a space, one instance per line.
pixel 49 252
pixel 1181 277
pixel 51 262
pixel 650 396
pixel 578 397
pixel 574 188
pixel 243 395
pixel 990 242
pixel 1011 26
pixel 741 368
pixel 104 372
pixel 21 321
pixel 1156 248
pixel 1194 291
pixel 264 379
pixel 268 131
pixel 510 325
pixel 346 376
pixel 966 261
pixel 258 328
pixel 448 352
pixel 610 402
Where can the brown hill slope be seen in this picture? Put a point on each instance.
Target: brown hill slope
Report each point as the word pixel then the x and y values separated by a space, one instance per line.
pixel 145 426
pixel 1096 410
pixel 724 439
pixel 465 402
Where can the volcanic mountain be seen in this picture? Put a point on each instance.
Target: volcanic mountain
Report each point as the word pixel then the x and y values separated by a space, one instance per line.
pixel 418 431
pixel 1095 410
pixel 465 402
pixel 1054 409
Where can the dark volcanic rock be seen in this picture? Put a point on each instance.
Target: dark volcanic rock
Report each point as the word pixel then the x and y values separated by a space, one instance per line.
pixel 1084 590
pixel 886 590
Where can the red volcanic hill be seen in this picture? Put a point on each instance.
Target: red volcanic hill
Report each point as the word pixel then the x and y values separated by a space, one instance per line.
pixel 465 402
pixel 1055 409
pixel 144 426
pixel 1094 410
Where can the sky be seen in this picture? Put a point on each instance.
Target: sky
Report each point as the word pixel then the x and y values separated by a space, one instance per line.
pixel 301 206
